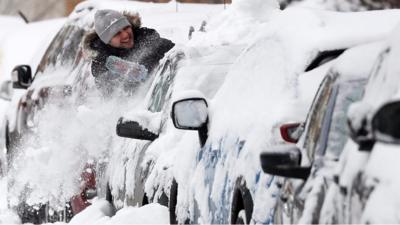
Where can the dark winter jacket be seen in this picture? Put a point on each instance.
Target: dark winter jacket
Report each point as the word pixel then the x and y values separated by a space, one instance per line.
pixel 148 49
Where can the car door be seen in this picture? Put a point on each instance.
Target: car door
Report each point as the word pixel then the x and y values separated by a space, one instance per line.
pixel 136 169
pixel 323 140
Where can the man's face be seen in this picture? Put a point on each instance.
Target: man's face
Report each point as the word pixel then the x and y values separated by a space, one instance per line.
pixel 123 39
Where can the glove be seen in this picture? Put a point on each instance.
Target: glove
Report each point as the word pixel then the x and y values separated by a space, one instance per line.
pixel 131 71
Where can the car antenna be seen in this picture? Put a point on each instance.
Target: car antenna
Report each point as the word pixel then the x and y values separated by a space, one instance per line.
pixel 21 14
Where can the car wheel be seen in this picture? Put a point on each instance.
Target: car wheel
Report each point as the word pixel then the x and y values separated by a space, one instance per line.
pixel 173 197
pixel 242 203
pixel 10 144
pixel 145 200
pixel 109 196
pixel 32 214
pixel 173 200
pixel 163 200
pixel 54 216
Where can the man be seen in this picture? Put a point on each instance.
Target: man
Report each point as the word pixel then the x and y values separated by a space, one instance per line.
pixel 124 53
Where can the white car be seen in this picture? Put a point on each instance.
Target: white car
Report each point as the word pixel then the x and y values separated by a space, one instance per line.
pixel 366 184
pixel 60 122
pixel 15 41
pixel 219 178
pixel 309 164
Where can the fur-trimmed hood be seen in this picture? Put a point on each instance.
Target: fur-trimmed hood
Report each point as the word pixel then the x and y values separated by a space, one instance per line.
pixel 91 37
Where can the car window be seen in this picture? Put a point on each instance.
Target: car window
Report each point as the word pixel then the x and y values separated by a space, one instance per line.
pixel 316 115
pixel 348 93
pixel 161 91
pixel 63 49
pixel 324 57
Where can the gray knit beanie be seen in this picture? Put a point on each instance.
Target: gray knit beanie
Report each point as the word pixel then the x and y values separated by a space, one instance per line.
pixel 108 23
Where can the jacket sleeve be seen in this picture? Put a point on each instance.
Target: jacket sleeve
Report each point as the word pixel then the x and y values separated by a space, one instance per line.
pixel 165 46
pixel 156 46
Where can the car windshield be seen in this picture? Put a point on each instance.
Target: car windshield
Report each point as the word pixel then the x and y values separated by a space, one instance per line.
pixel 348 93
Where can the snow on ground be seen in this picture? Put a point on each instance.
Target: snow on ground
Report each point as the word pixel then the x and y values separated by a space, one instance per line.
pixel 101 212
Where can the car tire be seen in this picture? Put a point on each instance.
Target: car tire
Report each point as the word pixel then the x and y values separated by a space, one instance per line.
pixel 109 197
pixel 173 200
pixel 31 214
pixel 10 145
pixel 163 199
pixel 145 200
pixel 242 202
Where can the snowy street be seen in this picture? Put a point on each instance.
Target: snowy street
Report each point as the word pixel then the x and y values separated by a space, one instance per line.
pixel 188 112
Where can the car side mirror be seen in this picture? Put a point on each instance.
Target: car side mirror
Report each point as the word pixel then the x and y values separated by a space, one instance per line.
pixel 21 76
pixel 386 123
pixel 191 114
pixel 284 161
pixel 291 132
pixel 132 129
pixel 6 90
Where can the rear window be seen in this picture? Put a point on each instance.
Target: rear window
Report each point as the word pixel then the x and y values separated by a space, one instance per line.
pixel 63 49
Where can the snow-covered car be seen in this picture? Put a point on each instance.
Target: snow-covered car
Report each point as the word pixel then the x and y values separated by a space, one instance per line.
pixel 309 164
pixel 13 40
pixel 366 189
pixel 272 81
pixel 60 58
pixel 60 106
pixel 202 68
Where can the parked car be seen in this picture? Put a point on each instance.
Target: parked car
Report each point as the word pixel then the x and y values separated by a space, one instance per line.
pixel 366 185
pixel 179 71
pixel 202 177
pixel 62 54
pixel 63 79
pixel 11 41
pixel 308 165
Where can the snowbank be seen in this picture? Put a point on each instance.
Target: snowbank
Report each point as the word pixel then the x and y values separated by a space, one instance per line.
pixel 101 212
